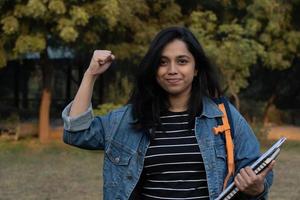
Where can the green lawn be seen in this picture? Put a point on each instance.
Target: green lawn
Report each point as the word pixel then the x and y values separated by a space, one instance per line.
pixel 29 170
pixel 287 173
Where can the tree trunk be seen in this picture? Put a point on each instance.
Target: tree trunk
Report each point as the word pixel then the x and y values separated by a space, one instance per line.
pixel 44 116
pixel 236 100
pixel 268 106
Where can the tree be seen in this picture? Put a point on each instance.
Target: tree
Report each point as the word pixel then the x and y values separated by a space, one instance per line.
pixel 34 26
pixel 235 34
pixel 77 26
pixel 243 34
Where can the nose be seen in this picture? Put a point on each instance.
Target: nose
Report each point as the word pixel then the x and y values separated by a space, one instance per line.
pixel 172 69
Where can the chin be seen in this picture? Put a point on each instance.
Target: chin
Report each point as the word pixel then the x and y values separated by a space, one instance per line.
pixel 173 92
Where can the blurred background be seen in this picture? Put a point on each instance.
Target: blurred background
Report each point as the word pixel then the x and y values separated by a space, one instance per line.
pixel 46 46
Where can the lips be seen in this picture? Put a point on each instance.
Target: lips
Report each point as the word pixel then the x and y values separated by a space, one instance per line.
pixel 173 80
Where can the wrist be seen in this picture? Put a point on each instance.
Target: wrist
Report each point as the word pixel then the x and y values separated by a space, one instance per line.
pixel 90 76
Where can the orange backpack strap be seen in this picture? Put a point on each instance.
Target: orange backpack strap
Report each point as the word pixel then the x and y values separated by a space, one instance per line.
pixel 225 129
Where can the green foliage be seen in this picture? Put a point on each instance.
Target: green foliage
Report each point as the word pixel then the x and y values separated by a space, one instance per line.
pixel 124 26
pixel 139 22
pixel 10 25
pixel 276 33
pixel 68 34
pixel 227 45
pixel 29 44
pixel 28 25
pixel 235 34
pixel 79 16
pixel 264 33
pixel 252 27
pixel 105 108
pixel 35 9
pixel 118 89
pixel 57 7
pixel 111 11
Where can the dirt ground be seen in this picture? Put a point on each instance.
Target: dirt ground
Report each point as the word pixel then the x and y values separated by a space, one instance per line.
pixel 288 131
pixel 287 173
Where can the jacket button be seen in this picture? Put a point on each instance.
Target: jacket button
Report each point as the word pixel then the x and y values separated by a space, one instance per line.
pixel 129 177
pixel 117 159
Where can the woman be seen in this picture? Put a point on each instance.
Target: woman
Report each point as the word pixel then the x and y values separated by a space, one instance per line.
pixel 161 145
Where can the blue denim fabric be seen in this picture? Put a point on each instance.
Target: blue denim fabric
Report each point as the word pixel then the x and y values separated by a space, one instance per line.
pixel 126 147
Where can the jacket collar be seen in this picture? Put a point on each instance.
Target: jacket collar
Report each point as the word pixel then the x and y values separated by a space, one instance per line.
pixel 210 108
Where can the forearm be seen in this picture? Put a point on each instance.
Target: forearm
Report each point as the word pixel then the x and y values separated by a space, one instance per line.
pixel 84 95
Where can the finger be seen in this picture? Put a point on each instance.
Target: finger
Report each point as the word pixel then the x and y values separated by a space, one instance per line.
pixel 108 58
pixel 112 57
pixel 250 172
pixel 247 176
pixel 106 51
pixel 101 53
pixel 104 59
pixel 239 182
pixel 250 177
pixel 264 173
pixel 244 173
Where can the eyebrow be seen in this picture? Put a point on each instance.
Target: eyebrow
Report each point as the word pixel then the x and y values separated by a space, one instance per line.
pixel 180 56
pixel 183 56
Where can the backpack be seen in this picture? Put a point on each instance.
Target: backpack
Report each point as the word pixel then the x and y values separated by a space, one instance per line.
pixel 225 127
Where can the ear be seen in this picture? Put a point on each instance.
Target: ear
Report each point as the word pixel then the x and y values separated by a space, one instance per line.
pixel 195 72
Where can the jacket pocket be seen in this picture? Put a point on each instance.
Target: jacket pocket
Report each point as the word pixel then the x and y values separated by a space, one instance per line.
pixel 220 150
pixel 118 154
pixel 221 162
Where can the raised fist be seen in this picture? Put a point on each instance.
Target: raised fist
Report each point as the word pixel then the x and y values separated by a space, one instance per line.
pixel 100 62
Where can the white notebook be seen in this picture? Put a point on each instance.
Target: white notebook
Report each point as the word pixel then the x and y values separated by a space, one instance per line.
pixel 260 164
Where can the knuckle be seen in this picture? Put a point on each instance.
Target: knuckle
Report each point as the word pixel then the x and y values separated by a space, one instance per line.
pixel 260 179
pixel 242 188
pixel 248 168
pixel 253 179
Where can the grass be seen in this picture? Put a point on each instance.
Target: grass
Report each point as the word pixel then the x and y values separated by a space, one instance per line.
pixel 287 173
pixel 29 170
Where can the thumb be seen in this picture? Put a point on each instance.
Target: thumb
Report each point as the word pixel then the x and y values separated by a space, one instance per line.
pixel 264 173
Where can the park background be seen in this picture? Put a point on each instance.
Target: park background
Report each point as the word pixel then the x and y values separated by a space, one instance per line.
pixel 46 45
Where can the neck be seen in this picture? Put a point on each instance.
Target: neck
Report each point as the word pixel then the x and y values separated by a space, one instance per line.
pixel 178 103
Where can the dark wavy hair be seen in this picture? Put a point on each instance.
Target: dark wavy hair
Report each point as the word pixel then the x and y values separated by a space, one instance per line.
pixel 149 100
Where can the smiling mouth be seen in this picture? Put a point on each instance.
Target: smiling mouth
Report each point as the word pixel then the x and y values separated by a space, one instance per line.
pixel 173 81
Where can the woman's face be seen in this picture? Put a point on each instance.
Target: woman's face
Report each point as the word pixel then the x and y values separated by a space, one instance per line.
pixel 176 69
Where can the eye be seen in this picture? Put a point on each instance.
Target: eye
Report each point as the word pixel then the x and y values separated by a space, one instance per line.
pixel 182 61
pixel 163 62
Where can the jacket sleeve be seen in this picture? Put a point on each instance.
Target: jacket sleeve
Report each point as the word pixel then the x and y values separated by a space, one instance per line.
pixel 83 131
pixel 247 149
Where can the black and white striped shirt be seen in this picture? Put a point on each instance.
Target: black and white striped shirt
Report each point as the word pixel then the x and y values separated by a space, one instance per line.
pixel 173 165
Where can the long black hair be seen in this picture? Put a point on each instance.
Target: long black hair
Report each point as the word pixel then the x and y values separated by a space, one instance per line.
pixel 149 100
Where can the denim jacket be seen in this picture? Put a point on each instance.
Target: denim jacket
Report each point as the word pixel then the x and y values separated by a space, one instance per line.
pixel 125 147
